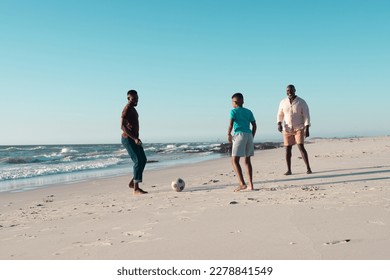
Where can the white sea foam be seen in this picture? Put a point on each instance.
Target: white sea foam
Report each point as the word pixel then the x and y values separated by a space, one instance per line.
pixel 29 166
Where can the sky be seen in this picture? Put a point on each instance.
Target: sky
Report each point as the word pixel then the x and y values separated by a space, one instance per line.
pixel 66 66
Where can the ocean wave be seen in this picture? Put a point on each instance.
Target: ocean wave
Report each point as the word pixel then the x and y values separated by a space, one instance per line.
pixel 29 171
pixel 29 163
pixel 188 148
pixel 68 151
pixel 34 159
pixel 21 148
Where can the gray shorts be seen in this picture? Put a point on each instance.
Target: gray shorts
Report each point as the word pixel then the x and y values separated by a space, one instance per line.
pixel 243 145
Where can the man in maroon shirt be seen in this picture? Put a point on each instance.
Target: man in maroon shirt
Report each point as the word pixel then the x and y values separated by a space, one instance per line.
pixel 131 141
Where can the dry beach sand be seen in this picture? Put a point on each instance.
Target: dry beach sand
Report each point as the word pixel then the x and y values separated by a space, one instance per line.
pixel 341 211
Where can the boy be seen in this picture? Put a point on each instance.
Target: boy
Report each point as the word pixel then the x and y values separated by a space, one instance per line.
pixel 240 121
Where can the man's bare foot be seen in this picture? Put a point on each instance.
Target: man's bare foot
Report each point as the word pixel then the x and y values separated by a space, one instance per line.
pixel 139 191
pixel 288 173
pixel 131 184
pixel 240 188
pixel 251 188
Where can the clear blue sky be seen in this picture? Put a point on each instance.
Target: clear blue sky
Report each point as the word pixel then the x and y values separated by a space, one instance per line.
pixel 65 67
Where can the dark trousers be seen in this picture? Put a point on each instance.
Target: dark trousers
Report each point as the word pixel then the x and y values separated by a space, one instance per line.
pixel 137 154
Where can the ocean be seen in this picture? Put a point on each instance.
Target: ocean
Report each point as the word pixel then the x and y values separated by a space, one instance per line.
pixel 24 168
pixel 29 167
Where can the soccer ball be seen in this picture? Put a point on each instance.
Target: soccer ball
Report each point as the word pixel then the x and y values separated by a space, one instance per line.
pixel 178 185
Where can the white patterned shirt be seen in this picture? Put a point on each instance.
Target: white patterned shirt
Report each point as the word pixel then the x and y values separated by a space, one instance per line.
pixel 295 115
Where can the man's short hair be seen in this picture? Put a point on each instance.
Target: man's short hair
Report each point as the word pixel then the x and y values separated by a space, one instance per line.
pixel 292 87
pixel 132 92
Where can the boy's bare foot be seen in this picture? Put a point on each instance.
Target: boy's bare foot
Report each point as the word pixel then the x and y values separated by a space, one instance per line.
pixel 139 191
pixel 240 188
pixel 131 184
pixel 288 173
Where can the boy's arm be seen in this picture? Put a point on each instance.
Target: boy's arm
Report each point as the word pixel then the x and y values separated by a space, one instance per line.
pixel 230 128
pixel 254 128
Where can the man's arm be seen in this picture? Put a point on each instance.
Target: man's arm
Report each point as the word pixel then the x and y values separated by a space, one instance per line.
pixel 306 114
pixel 280 127
pixel 128 132
pixel 125 129
pixel 306 117
pixel 307 133
pixel 280 117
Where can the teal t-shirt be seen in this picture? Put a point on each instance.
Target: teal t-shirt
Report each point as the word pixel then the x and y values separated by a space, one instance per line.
pixel 242 118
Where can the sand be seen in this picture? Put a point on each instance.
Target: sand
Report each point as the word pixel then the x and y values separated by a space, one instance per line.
pixel 340 212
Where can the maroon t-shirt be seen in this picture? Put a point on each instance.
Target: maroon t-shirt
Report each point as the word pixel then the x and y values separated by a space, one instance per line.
pixel 130 117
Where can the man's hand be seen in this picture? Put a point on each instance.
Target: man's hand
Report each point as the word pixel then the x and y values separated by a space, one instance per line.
pixel 307 133
pixel 280 127
pixel 138 142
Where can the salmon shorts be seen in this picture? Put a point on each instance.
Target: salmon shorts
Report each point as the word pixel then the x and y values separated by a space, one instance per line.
pixel 294 137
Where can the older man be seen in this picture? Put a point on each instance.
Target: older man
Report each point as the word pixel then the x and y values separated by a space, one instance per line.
pixel 294 121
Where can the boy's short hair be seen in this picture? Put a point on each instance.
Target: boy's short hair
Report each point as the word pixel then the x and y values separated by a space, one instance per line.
pixel 238 95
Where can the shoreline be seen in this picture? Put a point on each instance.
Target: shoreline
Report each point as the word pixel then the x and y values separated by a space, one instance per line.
pixel 341 211
pixel 36 183
pixel 32 183
pixel 200 154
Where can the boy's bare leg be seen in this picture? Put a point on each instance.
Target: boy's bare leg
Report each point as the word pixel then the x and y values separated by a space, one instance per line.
pixel 248 164
pixel 238 170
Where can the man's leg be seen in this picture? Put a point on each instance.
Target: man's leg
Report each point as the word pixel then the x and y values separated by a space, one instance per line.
pixel 288 159
pixel 139 166
pixel 305 157
pixel 138 190
pixel 126 144
pixel 139 163
pixel 289 141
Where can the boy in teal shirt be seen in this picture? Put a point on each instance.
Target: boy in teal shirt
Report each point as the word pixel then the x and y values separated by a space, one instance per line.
pixel 240 120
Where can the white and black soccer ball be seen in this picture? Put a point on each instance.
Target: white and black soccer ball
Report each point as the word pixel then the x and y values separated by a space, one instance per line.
pixel 178 185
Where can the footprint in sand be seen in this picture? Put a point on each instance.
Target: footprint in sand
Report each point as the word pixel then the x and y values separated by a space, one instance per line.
pixel 97 243
pixel 137 234
pixel 379 223
pixel 337 242
pixel 27 236
pixel 48 229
